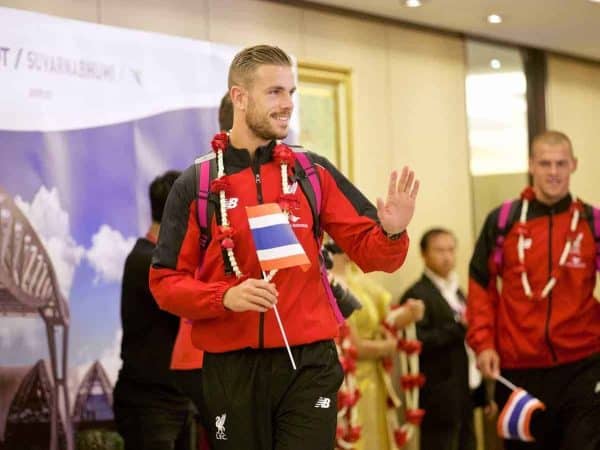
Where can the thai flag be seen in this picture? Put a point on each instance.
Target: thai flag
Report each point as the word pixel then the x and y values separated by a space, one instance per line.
pixel 276 244
pixel 515 419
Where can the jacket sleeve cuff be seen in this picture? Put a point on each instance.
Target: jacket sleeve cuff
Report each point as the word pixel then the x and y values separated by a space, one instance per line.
pixel 216 300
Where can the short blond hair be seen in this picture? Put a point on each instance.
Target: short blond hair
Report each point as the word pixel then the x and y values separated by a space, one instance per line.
pixel 551 137
pixel 246 62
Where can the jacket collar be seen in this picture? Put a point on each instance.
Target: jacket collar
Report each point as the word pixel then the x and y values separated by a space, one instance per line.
pixel 240 157
pixel 538 208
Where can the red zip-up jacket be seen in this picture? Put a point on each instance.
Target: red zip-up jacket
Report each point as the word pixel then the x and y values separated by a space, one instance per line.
pixel 526 333
pixel 196 293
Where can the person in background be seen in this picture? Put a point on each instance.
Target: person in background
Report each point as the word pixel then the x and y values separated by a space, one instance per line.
pixel 373 344
pixel 226 113
pixel 541 330
pixel 151 410
pixel 450 374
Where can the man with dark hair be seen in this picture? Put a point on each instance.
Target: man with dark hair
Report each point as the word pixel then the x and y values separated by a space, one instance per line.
pixel 541 328
pixel 151 411
pixel 254 397
pixel 226 113
pixel 446 395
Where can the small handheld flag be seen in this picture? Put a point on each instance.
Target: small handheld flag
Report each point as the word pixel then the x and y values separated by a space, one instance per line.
pixel 514 421
pixel 276 244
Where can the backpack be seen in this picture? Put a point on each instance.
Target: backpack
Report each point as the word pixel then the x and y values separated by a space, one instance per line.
pixel 506 218
pixel 308 179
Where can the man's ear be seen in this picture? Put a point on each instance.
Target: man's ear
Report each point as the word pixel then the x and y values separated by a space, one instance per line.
pixel 239 97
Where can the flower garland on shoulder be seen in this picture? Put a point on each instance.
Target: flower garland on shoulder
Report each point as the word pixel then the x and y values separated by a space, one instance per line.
pixel 524 233
pixel 221 186
pixel 411 381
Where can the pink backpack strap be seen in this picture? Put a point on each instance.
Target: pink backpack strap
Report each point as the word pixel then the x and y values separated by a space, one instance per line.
pixel 498 254
pixel 203 176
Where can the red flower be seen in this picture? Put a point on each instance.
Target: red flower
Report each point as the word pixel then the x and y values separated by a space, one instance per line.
pixel 348 364
pixel 401 437
pixel 387 364
pixel 227 243
pixel 339 432
pixel 410 346
pixel 353 434
pixel 412 381
pixel 288 202
pixel 576 205
pixel 523 229
pixel 528 193
pixel 282 154
pixel 414 416
pixel 220 184
pixel 219 142
pixel 224 232
pixel 352 352
pixel 344 399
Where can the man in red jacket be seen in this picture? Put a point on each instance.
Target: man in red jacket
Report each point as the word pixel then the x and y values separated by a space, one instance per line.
pixel 253 395
pixel 542 328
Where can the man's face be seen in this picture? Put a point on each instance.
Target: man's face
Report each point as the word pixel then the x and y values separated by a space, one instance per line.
pixel 440 255
pixel 270 105
pixel 551 166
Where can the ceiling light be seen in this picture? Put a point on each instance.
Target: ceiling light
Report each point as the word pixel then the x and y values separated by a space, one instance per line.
pixel 595 1
pixel 413 3
pixel 494 18
pixel 495 64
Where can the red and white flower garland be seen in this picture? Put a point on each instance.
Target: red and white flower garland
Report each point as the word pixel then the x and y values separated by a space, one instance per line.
pixel 282 155
pixel 348 429
pixel 576 207
pixel 411 381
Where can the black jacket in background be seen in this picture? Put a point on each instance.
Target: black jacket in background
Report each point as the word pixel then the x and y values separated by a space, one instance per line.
pixel 446 395
pixel 148 338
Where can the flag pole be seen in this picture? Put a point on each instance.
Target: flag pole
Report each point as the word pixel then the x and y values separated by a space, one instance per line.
pixel 506 383
pixel 269 277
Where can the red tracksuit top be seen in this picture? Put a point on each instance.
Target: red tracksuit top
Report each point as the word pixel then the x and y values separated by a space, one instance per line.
pixel 562 328
pixel 196 293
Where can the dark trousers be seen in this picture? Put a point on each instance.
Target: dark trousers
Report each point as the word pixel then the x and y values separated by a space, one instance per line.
pixel 571 393
pixel 256 401
pixel 156 428
pixel 459 435
pixel 154 416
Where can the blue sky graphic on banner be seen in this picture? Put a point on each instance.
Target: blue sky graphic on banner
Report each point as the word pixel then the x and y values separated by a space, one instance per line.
pixel 94 113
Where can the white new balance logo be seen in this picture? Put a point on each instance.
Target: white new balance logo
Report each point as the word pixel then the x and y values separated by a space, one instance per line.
pixel 323 402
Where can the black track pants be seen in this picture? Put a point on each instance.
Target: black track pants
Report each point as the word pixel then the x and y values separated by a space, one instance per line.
pixel 254 400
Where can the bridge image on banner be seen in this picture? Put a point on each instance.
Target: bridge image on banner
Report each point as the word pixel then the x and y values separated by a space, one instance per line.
pixel 28 286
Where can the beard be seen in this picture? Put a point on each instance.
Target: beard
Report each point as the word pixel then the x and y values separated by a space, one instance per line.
pixel 261 126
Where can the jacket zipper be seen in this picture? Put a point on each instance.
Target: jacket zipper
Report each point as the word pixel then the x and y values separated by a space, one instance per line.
pixel 259 196
pixel 549 313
